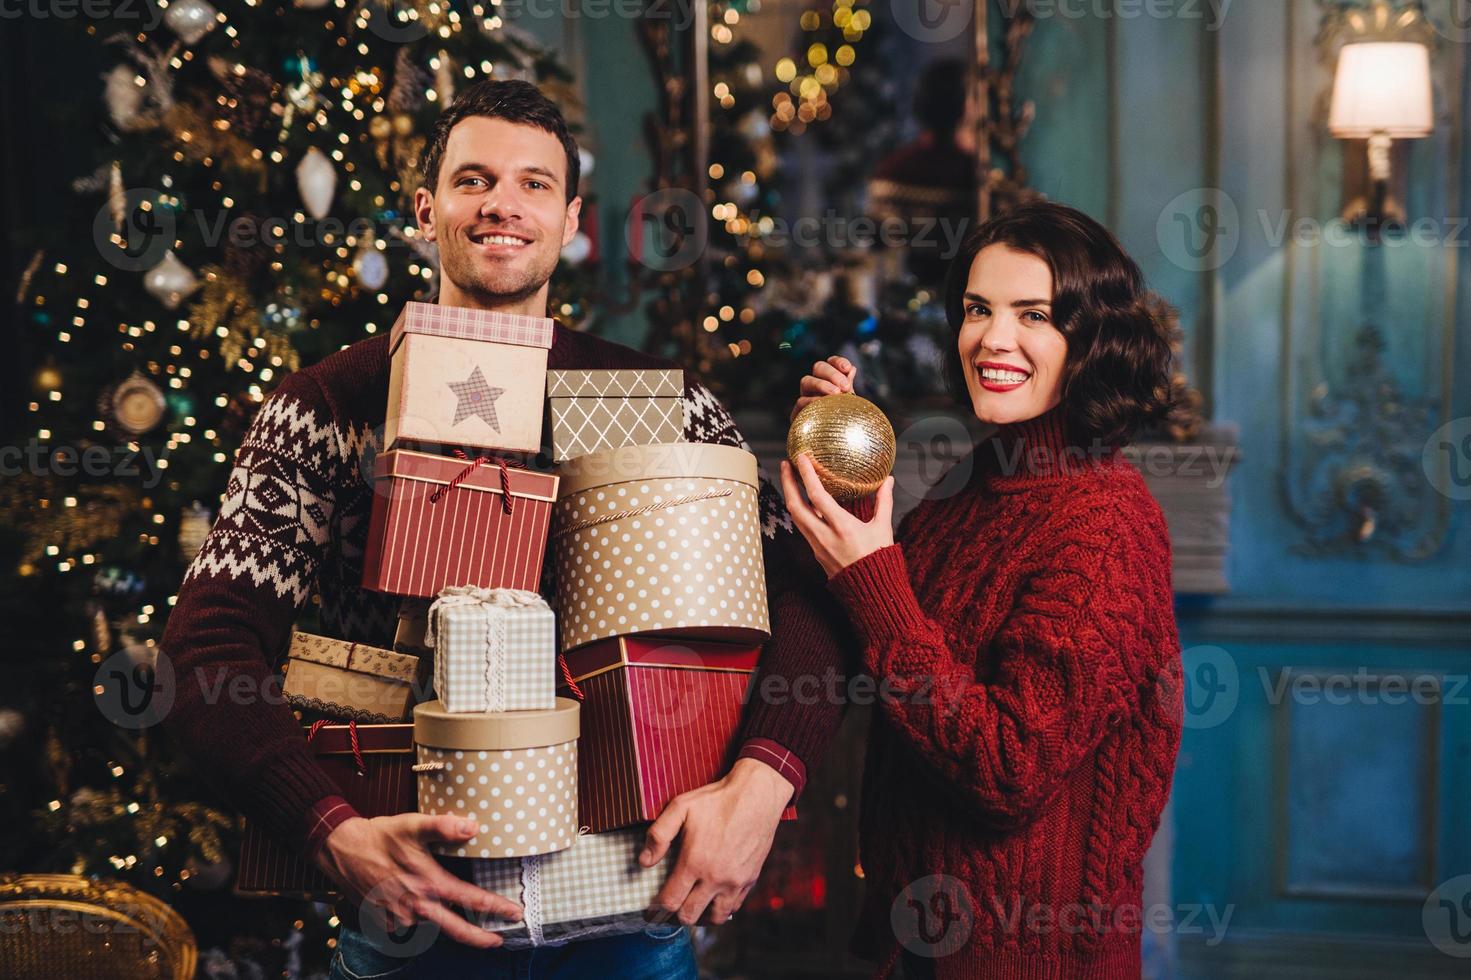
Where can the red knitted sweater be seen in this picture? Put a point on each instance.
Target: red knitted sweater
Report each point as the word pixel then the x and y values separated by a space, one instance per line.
pixel 1025 628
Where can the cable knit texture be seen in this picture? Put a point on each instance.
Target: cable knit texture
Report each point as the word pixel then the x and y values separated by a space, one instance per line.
pixel 1025 628
pixel 293 523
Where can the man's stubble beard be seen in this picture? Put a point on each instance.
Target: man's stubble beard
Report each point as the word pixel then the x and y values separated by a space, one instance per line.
pixel 491 289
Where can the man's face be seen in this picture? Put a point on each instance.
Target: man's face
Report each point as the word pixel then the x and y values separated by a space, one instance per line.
pixel 499 213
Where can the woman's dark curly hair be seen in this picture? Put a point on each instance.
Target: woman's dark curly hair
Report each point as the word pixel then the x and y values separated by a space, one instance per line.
pixel 1117 377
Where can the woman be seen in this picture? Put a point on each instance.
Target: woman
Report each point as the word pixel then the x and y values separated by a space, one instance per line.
pixel 1021 632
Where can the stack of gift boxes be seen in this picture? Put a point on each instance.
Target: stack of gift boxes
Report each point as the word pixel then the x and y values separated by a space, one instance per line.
pixel 661 612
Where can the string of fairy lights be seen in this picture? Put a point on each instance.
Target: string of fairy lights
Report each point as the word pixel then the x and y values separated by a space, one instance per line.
pixel 808 82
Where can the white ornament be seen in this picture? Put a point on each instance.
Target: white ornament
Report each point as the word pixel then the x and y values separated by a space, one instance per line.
pixel 124 96
pixel 585 160
pixel 371 267
pixel 316 179
pixel 576 251
pixel 170 281
pixel 190 19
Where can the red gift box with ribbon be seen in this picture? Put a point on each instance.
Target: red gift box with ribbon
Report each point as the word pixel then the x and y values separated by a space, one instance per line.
pixel 372 766
pixel 659 718
pixel 439 521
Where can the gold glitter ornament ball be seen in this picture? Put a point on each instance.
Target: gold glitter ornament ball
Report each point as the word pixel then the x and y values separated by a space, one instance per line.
pixel 850 441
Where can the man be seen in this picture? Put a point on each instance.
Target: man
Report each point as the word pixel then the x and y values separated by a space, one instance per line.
pixel 500 200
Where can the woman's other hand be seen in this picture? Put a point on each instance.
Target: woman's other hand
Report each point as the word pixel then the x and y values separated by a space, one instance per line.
pixel 830 377
pixel 837 537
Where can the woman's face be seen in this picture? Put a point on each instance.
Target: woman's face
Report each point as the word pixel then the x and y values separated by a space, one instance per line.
pixel 1010 351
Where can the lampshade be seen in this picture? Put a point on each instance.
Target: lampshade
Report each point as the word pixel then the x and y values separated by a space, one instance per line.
pixel 1382 87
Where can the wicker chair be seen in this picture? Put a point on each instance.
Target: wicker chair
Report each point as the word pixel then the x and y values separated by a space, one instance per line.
pixel 63 927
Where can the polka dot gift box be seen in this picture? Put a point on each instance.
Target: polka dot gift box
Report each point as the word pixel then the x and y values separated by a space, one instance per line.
pixel 663 538
pixel 513 772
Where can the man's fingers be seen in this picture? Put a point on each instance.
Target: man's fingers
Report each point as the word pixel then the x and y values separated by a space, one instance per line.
pixel 466 895
pixel 433 829
pixel 696 902
pixel 672 896
pixel 455 927
pixel 662 833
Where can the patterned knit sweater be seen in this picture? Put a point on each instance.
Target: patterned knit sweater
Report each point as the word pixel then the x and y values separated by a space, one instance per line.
pixel 1025 628
pixel 292 528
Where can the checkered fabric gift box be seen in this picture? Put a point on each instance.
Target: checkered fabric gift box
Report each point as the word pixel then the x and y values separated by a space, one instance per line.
pixel 594 888
pixel 494 650
pixel 595 410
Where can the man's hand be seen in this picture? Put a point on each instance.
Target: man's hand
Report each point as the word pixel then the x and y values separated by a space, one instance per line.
pixel 728 828
pixel 385 866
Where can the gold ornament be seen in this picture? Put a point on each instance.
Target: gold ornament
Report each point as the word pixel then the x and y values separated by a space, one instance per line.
pixel 850 442
pixel 137 404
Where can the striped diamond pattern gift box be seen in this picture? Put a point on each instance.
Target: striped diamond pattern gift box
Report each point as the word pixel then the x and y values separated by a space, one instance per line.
pixel 597 410
pixel 594 888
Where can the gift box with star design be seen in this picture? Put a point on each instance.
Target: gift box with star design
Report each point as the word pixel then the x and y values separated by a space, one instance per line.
pixel 439 521
pixel 467 378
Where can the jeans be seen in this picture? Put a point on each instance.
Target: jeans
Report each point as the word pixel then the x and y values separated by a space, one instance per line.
pixel 660 952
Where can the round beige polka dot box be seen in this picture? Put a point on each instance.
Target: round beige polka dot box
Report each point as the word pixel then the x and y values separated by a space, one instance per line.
pixel 513 772
pixel 661 538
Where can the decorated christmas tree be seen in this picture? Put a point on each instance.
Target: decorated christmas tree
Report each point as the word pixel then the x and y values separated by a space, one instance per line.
pixel 246 214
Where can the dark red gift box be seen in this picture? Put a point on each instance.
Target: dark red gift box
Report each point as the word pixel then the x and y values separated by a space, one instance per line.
pixel 386 785
pixel 659 716
pixel 440 521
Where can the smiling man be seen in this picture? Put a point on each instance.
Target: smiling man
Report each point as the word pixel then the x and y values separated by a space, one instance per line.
pixel 499 198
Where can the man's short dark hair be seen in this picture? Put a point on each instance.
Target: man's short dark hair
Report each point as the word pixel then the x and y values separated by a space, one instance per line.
pixel 509 99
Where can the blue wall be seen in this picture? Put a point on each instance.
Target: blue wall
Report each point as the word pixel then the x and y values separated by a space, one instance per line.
pixel 1312 819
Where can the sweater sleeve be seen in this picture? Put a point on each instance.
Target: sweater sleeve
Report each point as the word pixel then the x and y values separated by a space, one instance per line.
pixel 798 696
pixel 235 609
pixel 1056 681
